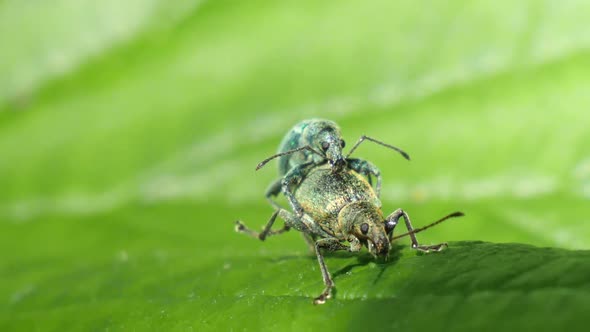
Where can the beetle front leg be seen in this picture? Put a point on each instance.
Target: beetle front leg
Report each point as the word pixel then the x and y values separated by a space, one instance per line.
pixel 272 191
pixel 292 178
pixel 331 244
pixel 393 218
pixel 367 169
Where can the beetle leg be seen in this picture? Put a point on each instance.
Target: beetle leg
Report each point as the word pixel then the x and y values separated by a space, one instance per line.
pixel 272 191
pixel 367 169
pixel 310 240
pixel 330 244
pixel 394 217
pixel 267 231
pixel 304 224
pixel 292 178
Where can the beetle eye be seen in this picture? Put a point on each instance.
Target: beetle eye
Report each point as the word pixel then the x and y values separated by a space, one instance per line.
pixel 342 143
pixel 365 228
pixel 389 226
pixel 325 146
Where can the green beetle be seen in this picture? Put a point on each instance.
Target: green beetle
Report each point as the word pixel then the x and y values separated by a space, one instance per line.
pixel 315 142
pixel 339 208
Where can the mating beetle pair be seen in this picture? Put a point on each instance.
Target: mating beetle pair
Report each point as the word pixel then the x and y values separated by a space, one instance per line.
pixel 332 201
pixel 311 143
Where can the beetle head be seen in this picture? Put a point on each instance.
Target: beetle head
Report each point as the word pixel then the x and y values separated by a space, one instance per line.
pixel 325 137
pixel 365 222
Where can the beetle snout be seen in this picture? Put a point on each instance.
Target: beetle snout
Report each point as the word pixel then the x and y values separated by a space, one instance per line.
pixel 382 248
pixel 334 155
pixel 379 247
pixel 337 164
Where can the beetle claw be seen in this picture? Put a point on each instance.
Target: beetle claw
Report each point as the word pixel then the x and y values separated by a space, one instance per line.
pixel 239 226
pixel 321 299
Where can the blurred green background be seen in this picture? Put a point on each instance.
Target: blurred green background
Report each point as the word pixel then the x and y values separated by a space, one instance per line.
pixel 129 133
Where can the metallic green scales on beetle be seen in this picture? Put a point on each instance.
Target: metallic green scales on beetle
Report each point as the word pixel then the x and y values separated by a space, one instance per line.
pixel 339 206
pixel 315 142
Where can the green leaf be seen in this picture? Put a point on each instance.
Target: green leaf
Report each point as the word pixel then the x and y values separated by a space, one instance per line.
pixel 152 276
pixel 129 133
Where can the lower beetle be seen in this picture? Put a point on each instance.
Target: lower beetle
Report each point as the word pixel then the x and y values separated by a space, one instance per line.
pixel 342 207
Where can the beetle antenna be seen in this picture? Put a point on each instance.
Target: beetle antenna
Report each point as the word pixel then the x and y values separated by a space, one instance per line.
pixel 402 152
pixel 307 147
pixel 417 230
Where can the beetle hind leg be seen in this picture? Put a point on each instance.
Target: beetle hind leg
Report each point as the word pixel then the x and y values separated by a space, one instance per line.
pixel 266 231
pixel 304 224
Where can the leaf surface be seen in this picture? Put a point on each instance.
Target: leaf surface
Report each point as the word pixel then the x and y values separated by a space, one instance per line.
pixel 129 133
